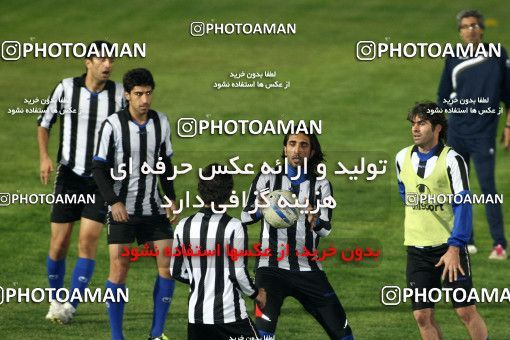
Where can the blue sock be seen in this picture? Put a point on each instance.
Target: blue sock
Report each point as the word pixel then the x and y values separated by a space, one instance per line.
pixel 56 271
pixel 81 276
pixel 347 337
pixel 115 310
pixel 266 335
pixel 162 295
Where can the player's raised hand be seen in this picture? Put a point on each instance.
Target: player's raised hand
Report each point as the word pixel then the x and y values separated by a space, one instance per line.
pixel 451 261
pixel 261 298
pixel 119 212
pixel 45 169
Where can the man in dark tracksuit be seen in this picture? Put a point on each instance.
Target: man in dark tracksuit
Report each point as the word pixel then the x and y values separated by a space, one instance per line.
pixel 478 85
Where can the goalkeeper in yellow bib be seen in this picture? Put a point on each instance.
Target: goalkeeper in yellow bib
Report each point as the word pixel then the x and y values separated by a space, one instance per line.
pixel 433 180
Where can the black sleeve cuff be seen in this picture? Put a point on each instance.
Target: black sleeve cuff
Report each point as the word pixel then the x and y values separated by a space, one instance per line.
pixel 318 225
pixel 254 295
pixel 180 279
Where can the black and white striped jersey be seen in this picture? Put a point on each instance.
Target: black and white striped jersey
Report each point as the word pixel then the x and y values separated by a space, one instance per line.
pixel 81 114
pixel 216 281
pixel 126 145
pixel 296 237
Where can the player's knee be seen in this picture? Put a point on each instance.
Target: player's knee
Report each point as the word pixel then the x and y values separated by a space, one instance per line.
pixel 118 270
pixel 87 246
pixel 59 247
pixel 423 318
pixel 466 314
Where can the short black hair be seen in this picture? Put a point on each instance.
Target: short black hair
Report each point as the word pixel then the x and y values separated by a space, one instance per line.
pixel 430 111
pixel 218 189
pixel 466 13
pixel 318 155
pixel 98 44
pixel 138 77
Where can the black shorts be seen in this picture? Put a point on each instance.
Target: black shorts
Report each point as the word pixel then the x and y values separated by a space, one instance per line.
pixel 312 289
pixel 141 228
pixel 243 329
pixel 422 274
pixel 68 183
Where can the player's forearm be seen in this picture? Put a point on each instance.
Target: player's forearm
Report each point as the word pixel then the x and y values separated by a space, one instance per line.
pixel 402 191
pixel 322 227
pixel 166 184
pixel 251 212
pixel 245 282
pixel 43 137
pixel 238 269
pixel 181 279
pixel 178 274
pixel 101 177
pixel 462 224
pixel 248 218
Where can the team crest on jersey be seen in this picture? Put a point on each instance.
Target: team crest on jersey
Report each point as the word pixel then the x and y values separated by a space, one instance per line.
pixel 423 189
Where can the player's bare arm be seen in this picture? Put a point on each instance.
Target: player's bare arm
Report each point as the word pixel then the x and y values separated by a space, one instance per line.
pixel 45 163
pixel 312 218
